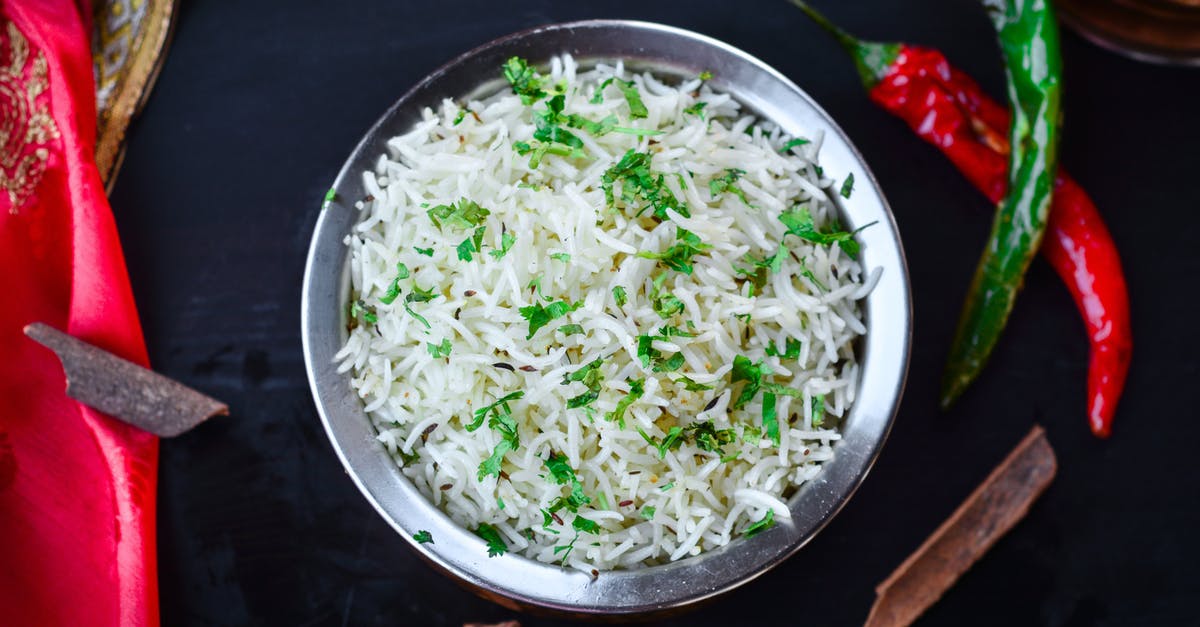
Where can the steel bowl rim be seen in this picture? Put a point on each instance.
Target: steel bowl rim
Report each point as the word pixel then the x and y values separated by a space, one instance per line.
pixel 506 594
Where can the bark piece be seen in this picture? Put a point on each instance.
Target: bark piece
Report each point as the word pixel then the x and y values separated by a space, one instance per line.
pixel 125 390
pixel 991 510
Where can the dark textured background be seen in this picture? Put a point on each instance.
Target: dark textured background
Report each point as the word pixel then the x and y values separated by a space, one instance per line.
pixel 260 102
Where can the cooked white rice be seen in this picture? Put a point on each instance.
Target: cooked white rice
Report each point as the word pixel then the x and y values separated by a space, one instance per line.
pixel 650 508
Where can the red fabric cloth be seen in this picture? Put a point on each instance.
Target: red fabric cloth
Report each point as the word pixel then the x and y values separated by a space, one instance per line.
pixel 77 488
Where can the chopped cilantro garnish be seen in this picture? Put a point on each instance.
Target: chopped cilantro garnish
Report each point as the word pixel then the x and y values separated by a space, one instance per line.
pixel 439 350
pixel 648 512
pixel 696 109
pixel 709 438
pixel 728 183
pixel 692 386
pixel 462 113
pixel 495 543
pixel 667 486
pixel 506 242
pixel 770 417
pixel 589 374
pixel 510 440
pixel 667 305
pixel 602 500
pixel 792 143
pixel 679 256
pixel 818 410
pixel 393 290
pixel 671 441
pixel 563 257
pixel 359 308
pixel 799 222
pixel 751 373
pixel 464 214
pixel 848 185
pixel 706 75
pixel 524 80
pixel 428 252
pixel 562 473
pixel 637 109
pixel 330 195
pixel 652 357
pixel 423 537
pixel 571 329
pixel 791 349
pixel 414 314
pixel 500 405
pixel 637 387
pixel 619 297
pixel 767 522
pixel 585 525
pixel 473 244
pixel 539 316
pixel 639 182
pixel 499 502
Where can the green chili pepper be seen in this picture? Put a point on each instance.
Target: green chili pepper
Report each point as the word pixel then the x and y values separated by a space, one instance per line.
pixel 1028 36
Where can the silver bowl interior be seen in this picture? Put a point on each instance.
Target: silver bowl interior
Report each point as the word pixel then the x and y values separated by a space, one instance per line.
pixel 520 582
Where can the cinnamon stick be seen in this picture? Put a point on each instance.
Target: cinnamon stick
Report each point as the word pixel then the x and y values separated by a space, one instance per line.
pixel 125 390
pixel 991 510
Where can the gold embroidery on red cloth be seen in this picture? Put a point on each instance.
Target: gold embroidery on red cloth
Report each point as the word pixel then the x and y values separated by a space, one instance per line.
pixel 27 131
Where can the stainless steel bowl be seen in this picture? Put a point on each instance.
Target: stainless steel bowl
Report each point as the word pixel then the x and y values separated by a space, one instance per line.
pixel 520 582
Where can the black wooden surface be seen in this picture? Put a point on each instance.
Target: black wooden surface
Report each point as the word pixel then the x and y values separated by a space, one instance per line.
pixel 260 102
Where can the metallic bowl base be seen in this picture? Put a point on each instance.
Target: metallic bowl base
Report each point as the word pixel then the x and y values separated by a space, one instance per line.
pixel 519 582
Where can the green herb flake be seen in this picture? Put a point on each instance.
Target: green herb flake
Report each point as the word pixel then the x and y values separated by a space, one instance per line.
pixel 462 113
pixel 463 214
pixel 563 257
pixel 637 388
pixel 585 525
pixel 770 418
pixel 393 290
pixel 679 256
pixel 639 182
pixel 696 109
pixel 648 512
pixel 767 522
pixel 751 373
pixel 791 349
pixel 619 296
pixel 794 143
pixel 706 75
pixel 590 375
pixel 499 502
pixel 495 544
pixel 571 329
pixel 539 315
pixel 818 410
pixel 692 386
pixel 428 252
pixel 637 108
pixel 667 305
pixel 506 243
pixel 667 486
pixel 799 222
pixel 359 308
pixel 728 183
pixel 423 537
pixel 439 350
pixel 330 195
pixel 500 405
pixel 524 80
pixel 848 185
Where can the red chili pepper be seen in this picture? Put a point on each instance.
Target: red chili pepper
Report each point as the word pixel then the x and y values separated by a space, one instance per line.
pixel 949 110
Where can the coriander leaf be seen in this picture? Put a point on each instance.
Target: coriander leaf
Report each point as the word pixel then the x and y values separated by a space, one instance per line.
pixel 767 522
pixel 439 350
pixel 495 543
pixel 639 182
pixel 423 537
pixel 793 143
pixel 709 438
pixel 590 376
pixel 818 410
pixel 751 373
pixel 539 316
pixel 585 525
pixel 465 249
pixel 359 308
pixel 848 185
pixel 670 365
pixel 502 422
pixel 667 486
pixel 414 314
pixel 791 349
pixel 706 75
pixel 648 512
pixel 563 257
pixel 428 252
pixel 691 385
pixel 491 465
pixel 667 305
pixel 562 473
pixel 770 418
pixel 524 80
pixel 636 389
pixel 696 109
pixel 799 222
pixel 464 214
pixel 637 109
pixel 679 256
pixel 506 242
pixel 728 183
pixel 419 295
pixel 571 329
pixel 462 113
pixel 499 405
pixel 601 128
pixel 618 293
pixel 393 290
